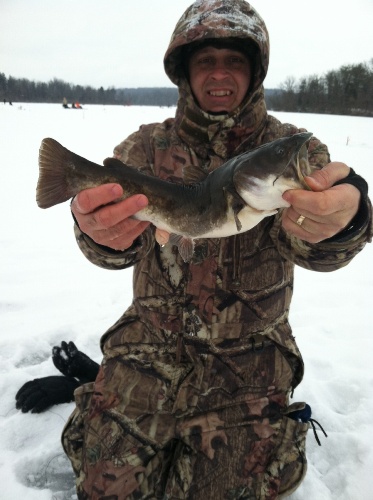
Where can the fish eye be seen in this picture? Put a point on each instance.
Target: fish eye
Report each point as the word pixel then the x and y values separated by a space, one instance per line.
pixel 280 151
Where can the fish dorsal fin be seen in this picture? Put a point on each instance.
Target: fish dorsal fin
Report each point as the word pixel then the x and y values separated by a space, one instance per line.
pixel 193 174
pixel 185 246
pixel 112 162
pixel 237 205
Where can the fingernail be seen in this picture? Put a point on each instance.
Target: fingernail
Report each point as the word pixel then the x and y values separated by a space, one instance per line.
pixel 313 182
pixel 142 201
pixel 116 190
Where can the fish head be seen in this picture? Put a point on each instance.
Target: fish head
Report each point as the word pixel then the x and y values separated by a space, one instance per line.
pixel 261 176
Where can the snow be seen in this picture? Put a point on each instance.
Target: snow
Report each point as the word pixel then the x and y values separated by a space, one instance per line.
pixel 49 293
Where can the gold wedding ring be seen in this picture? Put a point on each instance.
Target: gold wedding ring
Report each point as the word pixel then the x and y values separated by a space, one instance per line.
pixel 300 220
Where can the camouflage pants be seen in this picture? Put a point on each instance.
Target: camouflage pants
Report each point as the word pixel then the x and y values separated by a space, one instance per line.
pixel 210 426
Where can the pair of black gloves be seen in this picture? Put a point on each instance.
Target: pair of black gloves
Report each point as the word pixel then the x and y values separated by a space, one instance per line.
pixel 41 393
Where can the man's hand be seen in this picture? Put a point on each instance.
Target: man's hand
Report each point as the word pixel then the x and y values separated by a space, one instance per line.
pixel 108 223
pixel 326 209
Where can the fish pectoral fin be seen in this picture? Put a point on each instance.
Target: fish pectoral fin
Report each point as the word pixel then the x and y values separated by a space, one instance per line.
pixel 237 204
pixel 185 246
pixel 237 221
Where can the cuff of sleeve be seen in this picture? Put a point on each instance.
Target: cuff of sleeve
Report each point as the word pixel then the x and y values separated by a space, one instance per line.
pixel 110 252
pixel 361 219
pixel 107 258
pixel 104 250
pixel 356 226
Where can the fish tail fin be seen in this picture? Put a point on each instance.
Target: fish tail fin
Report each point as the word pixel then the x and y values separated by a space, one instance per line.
pixel 53 186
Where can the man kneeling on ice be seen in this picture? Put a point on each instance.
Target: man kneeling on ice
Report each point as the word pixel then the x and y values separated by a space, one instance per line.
pixel 192 398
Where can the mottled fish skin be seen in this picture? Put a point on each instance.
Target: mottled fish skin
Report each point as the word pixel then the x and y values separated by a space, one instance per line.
pixel 233 198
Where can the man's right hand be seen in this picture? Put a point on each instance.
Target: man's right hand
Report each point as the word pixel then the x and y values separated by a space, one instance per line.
pixel 108 223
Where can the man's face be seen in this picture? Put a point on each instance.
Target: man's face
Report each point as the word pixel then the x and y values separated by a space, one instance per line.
pixel 219 78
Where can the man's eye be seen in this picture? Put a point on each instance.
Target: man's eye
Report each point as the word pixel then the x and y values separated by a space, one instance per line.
pixel 205 60
pixel 236 60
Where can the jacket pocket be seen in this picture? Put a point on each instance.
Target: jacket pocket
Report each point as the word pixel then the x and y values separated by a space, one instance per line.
pixel 73 433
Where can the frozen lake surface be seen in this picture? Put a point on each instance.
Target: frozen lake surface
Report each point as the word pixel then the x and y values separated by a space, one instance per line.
pixel 49 292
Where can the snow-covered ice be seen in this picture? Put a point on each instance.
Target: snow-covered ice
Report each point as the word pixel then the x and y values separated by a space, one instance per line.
pixel 49 293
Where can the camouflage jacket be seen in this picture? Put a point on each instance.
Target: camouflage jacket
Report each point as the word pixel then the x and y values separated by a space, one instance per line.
pixel 234 287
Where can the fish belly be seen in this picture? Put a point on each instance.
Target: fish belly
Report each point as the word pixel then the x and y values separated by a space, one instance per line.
pixel 248 218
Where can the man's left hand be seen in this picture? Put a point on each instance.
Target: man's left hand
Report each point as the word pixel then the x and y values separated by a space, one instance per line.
pixel 326 210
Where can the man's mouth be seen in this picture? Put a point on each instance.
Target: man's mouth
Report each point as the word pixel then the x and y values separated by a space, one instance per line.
pixel 219 93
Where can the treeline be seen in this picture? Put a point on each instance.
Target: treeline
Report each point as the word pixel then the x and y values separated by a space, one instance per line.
pixel 24 90
pixel 347 91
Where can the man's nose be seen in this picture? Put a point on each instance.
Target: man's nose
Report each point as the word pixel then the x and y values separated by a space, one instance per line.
pixel 219 72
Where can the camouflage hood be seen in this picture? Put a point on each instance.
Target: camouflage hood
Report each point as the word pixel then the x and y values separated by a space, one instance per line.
pixel 220 19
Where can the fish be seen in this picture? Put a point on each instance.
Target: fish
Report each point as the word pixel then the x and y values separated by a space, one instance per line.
pixel 232 199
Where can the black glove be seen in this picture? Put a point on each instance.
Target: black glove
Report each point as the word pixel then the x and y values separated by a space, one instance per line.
pixel 73 363
pixel 39 394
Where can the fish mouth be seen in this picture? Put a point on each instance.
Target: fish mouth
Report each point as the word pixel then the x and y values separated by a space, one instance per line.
pixel 301 165
pixel 298 166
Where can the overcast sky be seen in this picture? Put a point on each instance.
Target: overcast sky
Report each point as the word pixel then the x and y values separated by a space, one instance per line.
pixel 121 43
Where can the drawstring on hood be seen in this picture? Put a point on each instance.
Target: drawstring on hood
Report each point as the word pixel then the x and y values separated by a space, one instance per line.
pixel 224 135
